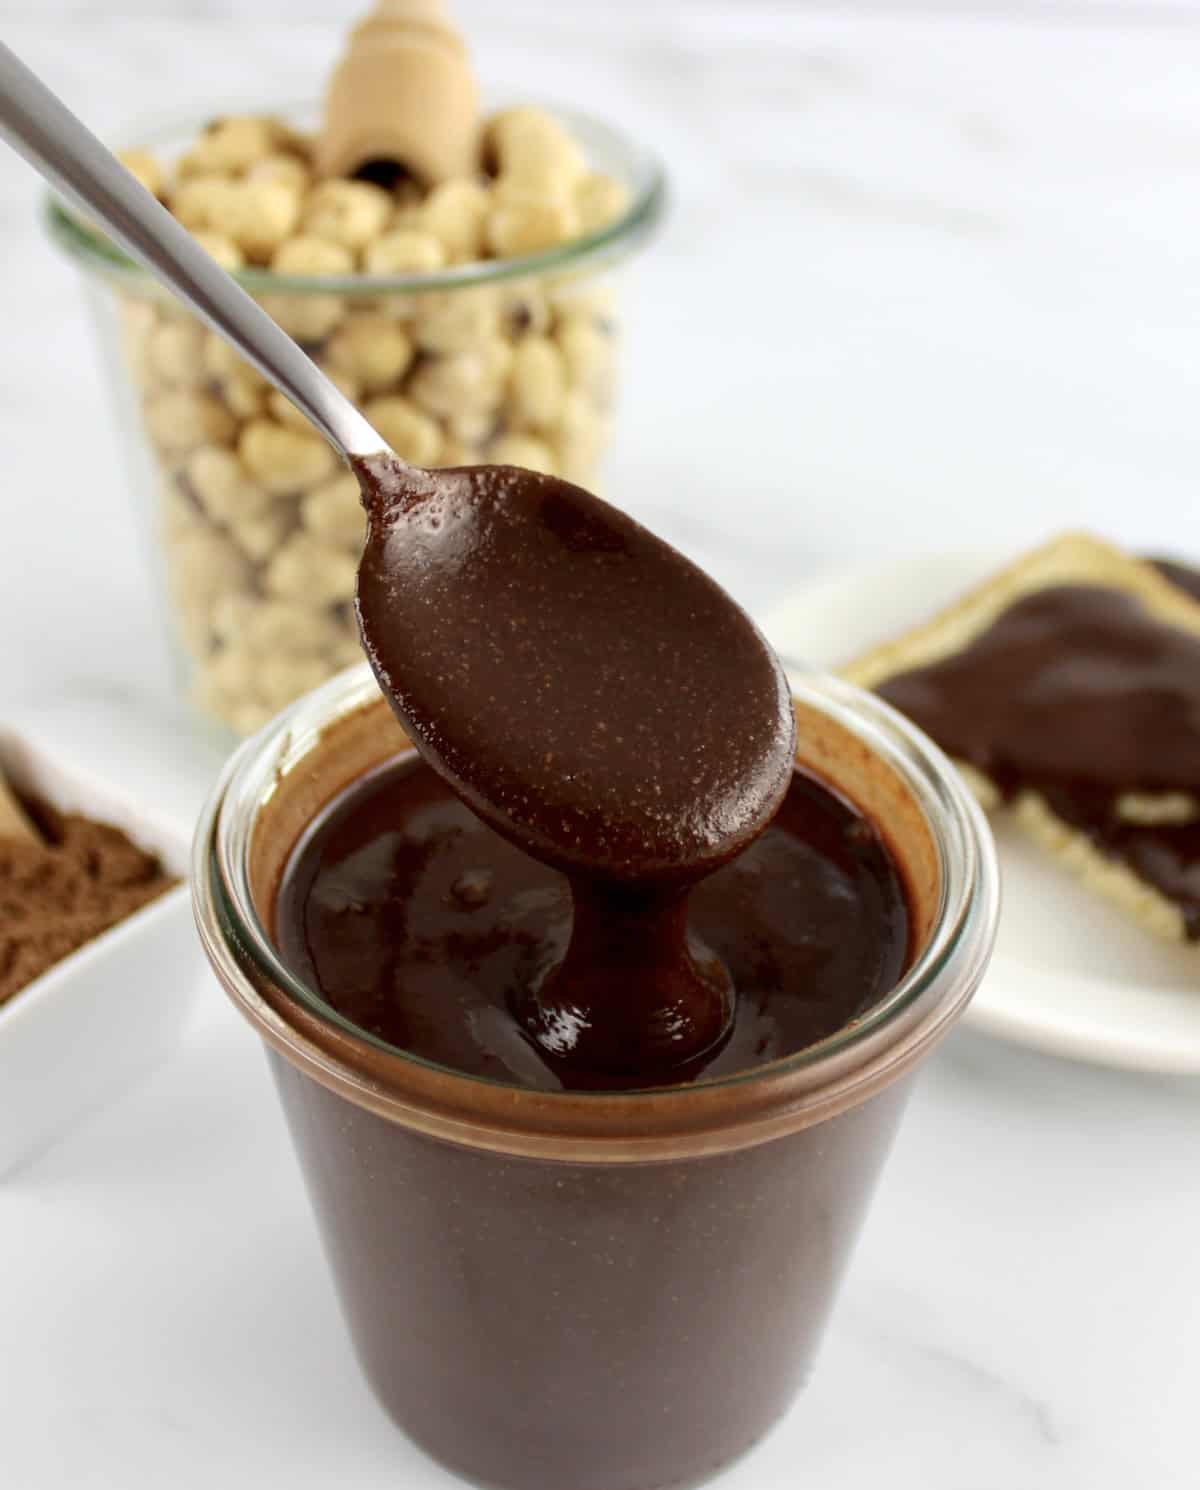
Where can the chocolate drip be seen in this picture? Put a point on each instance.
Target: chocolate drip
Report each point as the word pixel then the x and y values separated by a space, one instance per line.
pixel 598 700
pixel 811 923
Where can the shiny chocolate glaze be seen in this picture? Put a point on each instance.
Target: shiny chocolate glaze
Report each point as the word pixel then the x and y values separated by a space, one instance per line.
pixel 426 928
pixel 1078 693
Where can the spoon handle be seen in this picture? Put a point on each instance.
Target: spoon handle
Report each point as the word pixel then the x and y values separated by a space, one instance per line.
pixel 42 129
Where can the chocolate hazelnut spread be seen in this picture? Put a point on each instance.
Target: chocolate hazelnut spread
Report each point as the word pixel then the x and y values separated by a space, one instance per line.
pixel 418 923
pixel 599 701
pixel 600 1290
pixel 1080 695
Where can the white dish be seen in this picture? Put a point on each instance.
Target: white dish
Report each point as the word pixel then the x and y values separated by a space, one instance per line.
pixel 1070 974
pixel 86 1029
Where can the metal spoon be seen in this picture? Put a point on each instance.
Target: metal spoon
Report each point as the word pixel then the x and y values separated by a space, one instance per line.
pixel 497 538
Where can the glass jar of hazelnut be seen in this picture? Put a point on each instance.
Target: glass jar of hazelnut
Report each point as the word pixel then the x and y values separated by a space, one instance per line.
pixel 473 321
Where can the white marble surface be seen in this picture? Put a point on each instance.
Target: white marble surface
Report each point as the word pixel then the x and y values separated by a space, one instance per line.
pixel 929 279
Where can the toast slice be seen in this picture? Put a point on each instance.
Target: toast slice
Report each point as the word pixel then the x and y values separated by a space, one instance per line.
pixel 1136 842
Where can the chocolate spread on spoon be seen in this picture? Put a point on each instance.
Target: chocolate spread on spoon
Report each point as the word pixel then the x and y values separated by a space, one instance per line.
pixel 1081 695
pixel 600 702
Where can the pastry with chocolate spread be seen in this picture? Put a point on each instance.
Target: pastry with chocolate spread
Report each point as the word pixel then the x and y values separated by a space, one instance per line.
pixel 1068 688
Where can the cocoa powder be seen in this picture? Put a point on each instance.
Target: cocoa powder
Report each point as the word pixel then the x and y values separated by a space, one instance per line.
pixel 57 895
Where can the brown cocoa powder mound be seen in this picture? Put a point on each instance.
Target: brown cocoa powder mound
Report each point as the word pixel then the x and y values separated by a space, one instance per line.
pixel 63 892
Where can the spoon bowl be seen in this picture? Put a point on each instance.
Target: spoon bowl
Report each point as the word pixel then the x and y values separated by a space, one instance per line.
pixel 637 725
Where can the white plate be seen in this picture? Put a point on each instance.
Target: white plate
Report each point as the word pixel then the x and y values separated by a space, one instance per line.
pixel 1070 975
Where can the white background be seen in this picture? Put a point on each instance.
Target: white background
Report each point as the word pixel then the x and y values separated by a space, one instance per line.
pixel 930 279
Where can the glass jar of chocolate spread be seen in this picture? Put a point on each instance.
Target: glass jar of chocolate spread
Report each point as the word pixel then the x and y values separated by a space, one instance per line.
pixel 553 1282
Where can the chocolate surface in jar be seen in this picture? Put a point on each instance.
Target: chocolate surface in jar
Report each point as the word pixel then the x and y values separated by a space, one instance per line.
pixel 422 926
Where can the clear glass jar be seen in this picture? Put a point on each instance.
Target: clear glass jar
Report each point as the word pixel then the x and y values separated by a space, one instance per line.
pixel 607 1291
pixel 254 528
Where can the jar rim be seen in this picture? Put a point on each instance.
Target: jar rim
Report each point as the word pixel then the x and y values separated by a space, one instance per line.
pixel 707 1116
pixel 641 170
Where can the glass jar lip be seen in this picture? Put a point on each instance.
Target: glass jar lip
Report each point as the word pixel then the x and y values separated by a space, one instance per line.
pixel 864 1052
pixel 642 171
